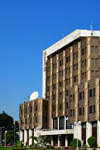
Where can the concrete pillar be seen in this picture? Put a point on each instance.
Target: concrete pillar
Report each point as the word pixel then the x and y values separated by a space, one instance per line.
pixel 65 122
pixel 30 139
pixel 25 136
pixel 21 135
pixel 58 123
pixel 58 141
pixel 66 140
pixel 52 140
pixel 98 133
pixel 75 131
pixel 88 130
pixel 78 130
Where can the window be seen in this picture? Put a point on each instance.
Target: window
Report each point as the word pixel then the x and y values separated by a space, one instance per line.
pixel 31 109
pixel 90 109
pixel 90 92
pixel 67 105
pixel 92 61
pixel 70 113
pixel 60 84
pixel 54 76
pixel 80 111
pixel 82 75
pixel 54 66
pixel 30 120
pixel 60 106
pixel 54 97
pixel 35 107
pixel 35 119
pixel 92 49
pixel 66 59
pixel 71 97
pixel 82 51
pixel 67 93
pixel 75 78
pixel 96 49
pixel 48 88
pixel 60 73
pixel 25 121
pixel 60 94
pixel 96 61
pixel 60 62
pixel 53 108
pixel 75 55
pixel 83 63
pixel 45 107
pixel 80 95
pixel 54 86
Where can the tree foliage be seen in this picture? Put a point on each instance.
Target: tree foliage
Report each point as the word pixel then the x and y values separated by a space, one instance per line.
pixel 9 137
pixel 74 143
pixel 6 121
pixel 42 141
pixel 92 141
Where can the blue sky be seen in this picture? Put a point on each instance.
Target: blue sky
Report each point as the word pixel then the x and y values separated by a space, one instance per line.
pixel 27 27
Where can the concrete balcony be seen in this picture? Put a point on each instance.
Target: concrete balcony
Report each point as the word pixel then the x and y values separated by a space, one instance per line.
pixel 56 132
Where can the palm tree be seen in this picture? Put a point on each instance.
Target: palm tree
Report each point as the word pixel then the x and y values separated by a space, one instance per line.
pixel 42 141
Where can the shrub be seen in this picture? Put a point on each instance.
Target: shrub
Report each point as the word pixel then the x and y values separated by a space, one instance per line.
pixel 92 141
pixel 74 143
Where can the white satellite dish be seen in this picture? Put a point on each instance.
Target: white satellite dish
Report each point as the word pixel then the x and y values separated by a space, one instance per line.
pixel 34 96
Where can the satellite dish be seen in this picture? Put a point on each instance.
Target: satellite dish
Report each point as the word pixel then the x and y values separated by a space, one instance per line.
pixel 34 96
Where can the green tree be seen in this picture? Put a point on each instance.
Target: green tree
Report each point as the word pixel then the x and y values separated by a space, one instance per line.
pixel 9 137
pixel 74 143
pixel 92 141
pixel 6 121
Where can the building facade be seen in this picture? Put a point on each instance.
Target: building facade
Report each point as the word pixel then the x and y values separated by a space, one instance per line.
pixel 71 72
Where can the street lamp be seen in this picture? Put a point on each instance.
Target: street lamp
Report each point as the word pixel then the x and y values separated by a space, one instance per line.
pixel 77 124
pixel 5 137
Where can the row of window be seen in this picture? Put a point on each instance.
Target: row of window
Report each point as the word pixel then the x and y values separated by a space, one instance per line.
pixel 92 92
pixel 94 61
pixel 84 51
pixel 94 49
pixel 75 55
pixel 72 113
pixel 92 109
pixel 81 111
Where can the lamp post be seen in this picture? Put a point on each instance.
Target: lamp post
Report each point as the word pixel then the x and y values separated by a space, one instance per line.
pixel 5 137
pixel 77 124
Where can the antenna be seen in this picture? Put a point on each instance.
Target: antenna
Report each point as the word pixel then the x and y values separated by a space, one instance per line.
pixel 63 35
pixel 91 27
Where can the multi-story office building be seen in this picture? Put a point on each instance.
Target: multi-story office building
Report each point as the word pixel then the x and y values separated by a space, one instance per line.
pixel 71 72
pixel 33 116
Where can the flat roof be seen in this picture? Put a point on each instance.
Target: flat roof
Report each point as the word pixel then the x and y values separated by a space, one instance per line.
pixel 70 38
